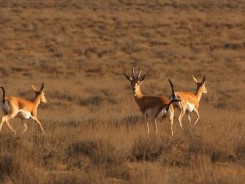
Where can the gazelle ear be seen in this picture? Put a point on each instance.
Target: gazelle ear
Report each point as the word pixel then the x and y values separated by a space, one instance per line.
pixel 143 78
pixel 34 88
pixel 128 77
pixel 204 79
pixel 194 78
pixel 42 86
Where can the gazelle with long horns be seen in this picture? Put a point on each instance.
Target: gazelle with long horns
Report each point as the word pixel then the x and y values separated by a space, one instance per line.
pixel 152 107
pixel 24 109
pixel 189 101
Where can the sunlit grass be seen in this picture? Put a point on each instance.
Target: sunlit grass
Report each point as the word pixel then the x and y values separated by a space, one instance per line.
pixel 95 132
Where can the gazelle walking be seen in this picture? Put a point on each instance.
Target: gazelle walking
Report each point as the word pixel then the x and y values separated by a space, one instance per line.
pixel 24 109
pixel 189 101
pixel 152 107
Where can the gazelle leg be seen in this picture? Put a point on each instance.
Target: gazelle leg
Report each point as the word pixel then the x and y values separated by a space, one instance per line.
pixel 39 123
pixel 171 118
pixel 25 129
pixel 156 128
pixel 172 122
pixel 189 118
pixel 182 113
pixel 11 128
pixel 6 119
pixel 147 123
pixel 148 127
pixel 1 125
pixel 2 121
pixel 198 116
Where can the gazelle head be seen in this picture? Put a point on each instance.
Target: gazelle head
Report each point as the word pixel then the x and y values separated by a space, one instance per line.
pixel 40 93
pixel 201 85
pixel 135 80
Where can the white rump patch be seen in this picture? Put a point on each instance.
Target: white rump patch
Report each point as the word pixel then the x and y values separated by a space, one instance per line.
pixel 6 106
pixel 162 113
pixel 178 104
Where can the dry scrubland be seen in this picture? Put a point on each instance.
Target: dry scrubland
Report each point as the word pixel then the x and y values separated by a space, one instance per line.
pixel 95 133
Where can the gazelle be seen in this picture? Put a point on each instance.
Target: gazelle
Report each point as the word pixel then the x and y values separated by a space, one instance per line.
pixel 152 107
pixel 189 101
pixel 24 109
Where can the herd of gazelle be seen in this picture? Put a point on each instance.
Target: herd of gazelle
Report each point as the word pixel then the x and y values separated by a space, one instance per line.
pixel 156 107
pixel 152 107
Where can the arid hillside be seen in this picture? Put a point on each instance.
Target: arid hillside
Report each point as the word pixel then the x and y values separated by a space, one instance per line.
pixel 95 131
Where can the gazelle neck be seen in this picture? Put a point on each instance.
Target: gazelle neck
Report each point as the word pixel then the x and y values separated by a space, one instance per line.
pixel 138 96
pixel 37 101
pixel 199 93
pixel 137 93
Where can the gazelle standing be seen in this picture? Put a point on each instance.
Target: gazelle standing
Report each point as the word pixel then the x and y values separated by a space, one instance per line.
pixel 24 109
pixel 152 107
pixel 189 101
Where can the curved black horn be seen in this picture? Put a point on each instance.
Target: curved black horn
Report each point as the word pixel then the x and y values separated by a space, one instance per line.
pixel 204 79
pixel 133 74
pixel 138 76
pixel 172 87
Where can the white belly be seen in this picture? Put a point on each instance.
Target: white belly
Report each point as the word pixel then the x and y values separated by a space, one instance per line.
pixel 190 107
pixel 25 114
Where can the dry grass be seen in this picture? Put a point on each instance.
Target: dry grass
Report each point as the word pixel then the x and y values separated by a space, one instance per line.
pixel 95 132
